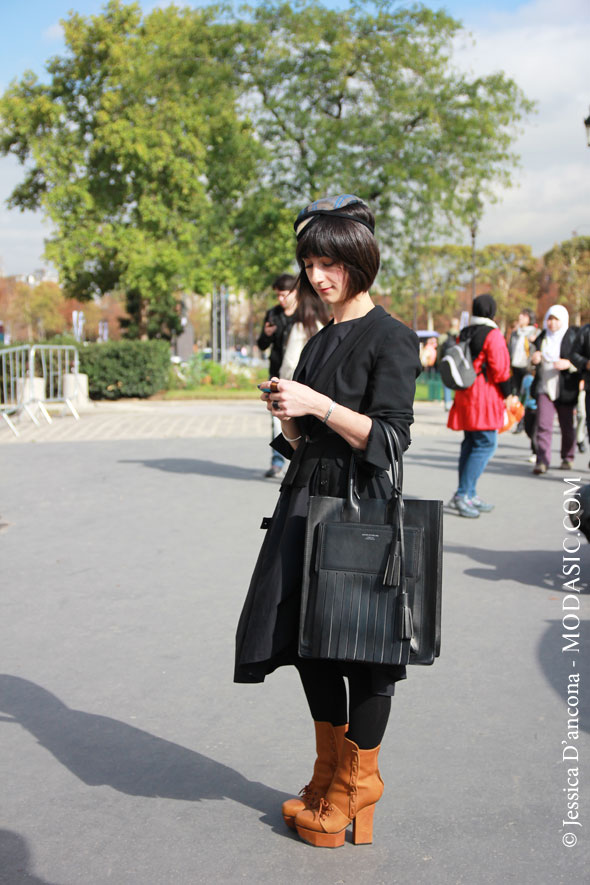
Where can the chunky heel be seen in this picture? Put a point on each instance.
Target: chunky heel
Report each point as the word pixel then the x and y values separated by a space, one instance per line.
pixel 362 826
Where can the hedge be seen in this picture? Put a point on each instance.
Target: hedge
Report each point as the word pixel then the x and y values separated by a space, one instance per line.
pixel 118 369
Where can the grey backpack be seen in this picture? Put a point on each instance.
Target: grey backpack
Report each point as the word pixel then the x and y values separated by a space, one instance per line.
pixel 456 367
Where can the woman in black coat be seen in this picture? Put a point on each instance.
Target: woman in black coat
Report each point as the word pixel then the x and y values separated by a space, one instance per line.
pixel 361 366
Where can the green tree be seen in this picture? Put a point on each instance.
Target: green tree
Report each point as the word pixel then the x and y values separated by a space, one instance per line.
pixel 170 151
pixel 427 294
pixel 510 273
pixel 568 264
pixel 367 100
pixel 135 151
pixel 34 313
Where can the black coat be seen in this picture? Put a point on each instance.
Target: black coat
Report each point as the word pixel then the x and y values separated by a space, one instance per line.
pixel 580 352
pixel 276 316
pixel 569 382
pixel 373 371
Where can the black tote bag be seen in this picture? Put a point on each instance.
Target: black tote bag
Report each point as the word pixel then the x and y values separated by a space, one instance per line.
pixel 372 575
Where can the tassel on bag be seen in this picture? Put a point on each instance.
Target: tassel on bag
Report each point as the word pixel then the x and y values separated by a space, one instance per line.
pixel 391 578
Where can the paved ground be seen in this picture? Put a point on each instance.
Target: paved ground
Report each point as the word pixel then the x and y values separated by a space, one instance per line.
pixel 130 757
pixel 137 419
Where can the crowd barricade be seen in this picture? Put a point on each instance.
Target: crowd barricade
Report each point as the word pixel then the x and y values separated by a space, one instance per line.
pixel 16 391
pixel 58 365
pixel 33 376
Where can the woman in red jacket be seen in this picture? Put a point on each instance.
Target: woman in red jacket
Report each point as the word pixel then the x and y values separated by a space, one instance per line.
pixel 479 410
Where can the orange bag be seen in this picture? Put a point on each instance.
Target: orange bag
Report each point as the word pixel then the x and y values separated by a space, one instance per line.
pixel 512 415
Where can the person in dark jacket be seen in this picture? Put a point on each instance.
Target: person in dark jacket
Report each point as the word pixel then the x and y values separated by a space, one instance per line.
pixel 556 387
pixel 275 333
pixel 580 358
pixel 479 410
pixel 361 366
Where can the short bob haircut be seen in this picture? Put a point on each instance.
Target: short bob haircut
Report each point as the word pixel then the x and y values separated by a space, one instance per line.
pixel 347 243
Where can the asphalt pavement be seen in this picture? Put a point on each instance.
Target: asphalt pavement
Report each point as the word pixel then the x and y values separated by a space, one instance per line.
pixel 127 540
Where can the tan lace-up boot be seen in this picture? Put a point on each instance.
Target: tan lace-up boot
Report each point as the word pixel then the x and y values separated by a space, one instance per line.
pixel 328 740
pixel 351 798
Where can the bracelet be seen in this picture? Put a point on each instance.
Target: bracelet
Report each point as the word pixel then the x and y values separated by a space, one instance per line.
pixel 295 438
pixel 329 412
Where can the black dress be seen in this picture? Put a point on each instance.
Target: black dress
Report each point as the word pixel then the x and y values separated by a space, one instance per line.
pixel 268 626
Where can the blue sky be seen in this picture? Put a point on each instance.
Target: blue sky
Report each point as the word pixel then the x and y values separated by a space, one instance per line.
pixel 26 44
pixel 542 44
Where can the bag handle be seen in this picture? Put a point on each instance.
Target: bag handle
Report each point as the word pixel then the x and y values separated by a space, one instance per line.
pixel 394 453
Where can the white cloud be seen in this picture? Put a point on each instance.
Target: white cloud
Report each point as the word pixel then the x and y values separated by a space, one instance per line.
pixel 543 46
pixel 21 233
pixel 53 33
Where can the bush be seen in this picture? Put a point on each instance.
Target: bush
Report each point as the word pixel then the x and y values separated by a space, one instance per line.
pixel 125 368
pixel 199 373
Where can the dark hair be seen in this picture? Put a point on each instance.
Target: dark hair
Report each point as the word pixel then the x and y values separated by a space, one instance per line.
pixel 310 309
pixel 347 243
pixel 285 281
pixel 530 314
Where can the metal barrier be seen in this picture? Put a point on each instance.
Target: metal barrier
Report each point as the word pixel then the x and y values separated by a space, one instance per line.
pixel 16 391
pixel 21 389
pixel 58 365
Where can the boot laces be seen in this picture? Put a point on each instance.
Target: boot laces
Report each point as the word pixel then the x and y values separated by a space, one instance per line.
pixel 310 796
pixel 325 808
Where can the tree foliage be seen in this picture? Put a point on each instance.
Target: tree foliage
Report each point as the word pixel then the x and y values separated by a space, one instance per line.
pixel 568 264
pixel 367 100
pixel 510 273
pixel 171 150
pixel 136 152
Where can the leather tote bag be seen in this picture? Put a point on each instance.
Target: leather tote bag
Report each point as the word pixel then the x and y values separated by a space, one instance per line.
pixel 372 575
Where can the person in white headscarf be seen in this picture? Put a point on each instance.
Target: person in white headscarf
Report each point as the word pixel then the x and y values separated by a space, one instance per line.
pixel 555 388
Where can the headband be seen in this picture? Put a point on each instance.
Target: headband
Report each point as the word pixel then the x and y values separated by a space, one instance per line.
pixel 329 206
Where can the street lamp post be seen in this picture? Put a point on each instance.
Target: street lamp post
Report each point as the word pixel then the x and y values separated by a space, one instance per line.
pixel 473 232
pixel 477 206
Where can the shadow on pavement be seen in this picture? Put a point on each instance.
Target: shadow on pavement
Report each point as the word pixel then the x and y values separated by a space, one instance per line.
pixel 16 858
pixel 537 568
pixel 103 751
pixel 556 666
pixel 204 468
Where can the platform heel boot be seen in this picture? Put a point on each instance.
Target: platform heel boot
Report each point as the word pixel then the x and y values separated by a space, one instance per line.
pixel 328 740
pixel 351 798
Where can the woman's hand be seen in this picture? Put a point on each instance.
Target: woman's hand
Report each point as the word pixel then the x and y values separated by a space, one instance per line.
pixel 292 400
pixel 536 358
pixel 562 364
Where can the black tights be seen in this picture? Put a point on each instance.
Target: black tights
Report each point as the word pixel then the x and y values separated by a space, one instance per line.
pixel 366 713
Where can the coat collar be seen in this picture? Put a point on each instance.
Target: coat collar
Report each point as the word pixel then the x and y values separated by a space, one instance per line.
pixel 326 374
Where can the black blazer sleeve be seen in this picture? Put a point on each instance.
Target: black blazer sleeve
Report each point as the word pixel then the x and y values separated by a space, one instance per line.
pixel 390 391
